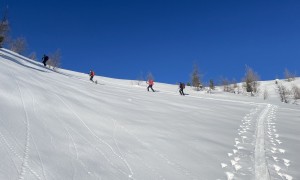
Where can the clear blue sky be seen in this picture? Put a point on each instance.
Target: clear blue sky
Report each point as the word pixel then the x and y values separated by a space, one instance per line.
pixel 122 38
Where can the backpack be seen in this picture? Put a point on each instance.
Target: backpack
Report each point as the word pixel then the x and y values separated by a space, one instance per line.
pixel 45 58
pixel 182 85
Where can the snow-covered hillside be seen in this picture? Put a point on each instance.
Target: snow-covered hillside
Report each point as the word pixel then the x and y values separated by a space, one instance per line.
pixel 59 125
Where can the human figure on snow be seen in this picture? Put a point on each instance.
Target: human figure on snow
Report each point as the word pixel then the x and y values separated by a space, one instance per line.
pixel 45 59
pixel 151 83
pixel 92 74
pixel 181 87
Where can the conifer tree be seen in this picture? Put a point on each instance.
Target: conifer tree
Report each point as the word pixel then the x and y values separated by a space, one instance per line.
pixel 211 84
pixel 4 28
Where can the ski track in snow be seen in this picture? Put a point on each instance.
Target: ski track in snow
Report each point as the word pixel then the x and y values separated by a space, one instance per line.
pixel 93 134
pixel 242 153
pixel 97 137
pixel 130 175
pixel 256 128
pixel 25 158
pixel 34 143
pixel 168 161
pixel 10 150
pixel 100 151
pixel 277 163
pixel 26 151
pixel 143 144
pixel 181 170
pixel 74 144
pixel 261 168
pixel 70 151
pixel 36 147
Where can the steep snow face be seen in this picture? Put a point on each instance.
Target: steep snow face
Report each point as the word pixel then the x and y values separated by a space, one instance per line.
pixel 59 125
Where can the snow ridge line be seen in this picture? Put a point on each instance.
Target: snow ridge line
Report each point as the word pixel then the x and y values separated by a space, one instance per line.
pixel 116 85
pixel 119 86
pixel 261 168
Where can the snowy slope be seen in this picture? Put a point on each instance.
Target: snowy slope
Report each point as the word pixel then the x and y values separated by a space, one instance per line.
pixel 58 125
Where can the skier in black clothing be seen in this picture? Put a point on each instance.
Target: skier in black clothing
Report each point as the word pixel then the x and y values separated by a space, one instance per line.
pixel 181 87
pixel 45 59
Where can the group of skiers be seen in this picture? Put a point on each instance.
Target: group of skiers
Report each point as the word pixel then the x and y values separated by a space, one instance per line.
pixel 150 82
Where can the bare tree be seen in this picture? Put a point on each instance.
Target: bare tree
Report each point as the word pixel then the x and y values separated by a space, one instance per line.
pixel 150 76
pixel 251 81
pixel 238 89
pixel 196 78
pixel 18 45
pixel 296 92
pixel 225 84
pixel 288 75
pixel 55 59
pixel 283 93
pixel 228 86
pixel 233 86
pixel 32 56
pixel 140 79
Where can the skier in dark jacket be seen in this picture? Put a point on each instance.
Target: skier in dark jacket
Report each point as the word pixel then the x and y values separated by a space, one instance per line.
pixel 45 59
pixel 181 87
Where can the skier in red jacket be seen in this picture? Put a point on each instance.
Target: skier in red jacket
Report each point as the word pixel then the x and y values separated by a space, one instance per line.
pixel 92 74
pixel 150 82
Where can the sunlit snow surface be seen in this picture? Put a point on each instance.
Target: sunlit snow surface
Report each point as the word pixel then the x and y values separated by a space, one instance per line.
pixel 59 125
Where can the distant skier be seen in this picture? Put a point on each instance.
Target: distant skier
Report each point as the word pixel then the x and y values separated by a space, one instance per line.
pixel 181 87
pixel 45 59
pixel 92 74
pixel 151 83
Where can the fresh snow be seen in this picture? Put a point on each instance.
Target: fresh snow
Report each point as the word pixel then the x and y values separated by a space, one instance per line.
pixel 59 125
